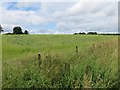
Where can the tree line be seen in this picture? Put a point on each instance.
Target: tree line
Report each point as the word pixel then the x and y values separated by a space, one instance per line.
pixel 95 33
pixel 1 29
pixel 16 30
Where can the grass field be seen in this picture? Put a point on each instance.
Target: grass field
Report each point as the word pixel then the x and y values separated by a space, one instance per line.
pixel 0 61
pixel 95 65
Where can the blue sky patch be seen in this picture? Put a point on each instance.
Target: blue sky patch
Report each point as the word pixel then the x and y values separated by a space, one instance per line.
pixel 13 6
pixel 51 25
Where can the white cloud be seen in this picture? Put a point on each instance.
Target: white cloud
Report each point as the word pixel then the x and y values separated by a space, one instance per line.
pixel 75 9
pixel 90 17
pixel 69 17
pixel 9 27
pixel 35 19
pixel 85 8
pixel 22 17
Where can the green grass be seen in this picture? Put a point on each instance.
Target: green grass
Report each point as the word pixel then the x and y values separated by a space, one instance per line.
pixel 0 61
pixel 95 66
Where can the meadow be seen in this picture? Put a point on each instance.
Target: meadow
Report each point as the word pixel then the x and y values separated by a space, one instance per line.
pixel 0 61
pixel 94 66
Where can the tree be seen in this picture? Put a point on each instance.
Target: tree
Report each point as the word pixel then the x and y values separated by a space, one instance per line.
pixel 1 29
pixel 92 33
pixel 17 30
pixel 82 33
pixel 26 32
pixel 75 33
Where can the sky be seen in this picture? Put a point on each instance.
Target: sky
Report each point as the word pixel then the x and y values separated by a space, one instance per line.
pixel 60 17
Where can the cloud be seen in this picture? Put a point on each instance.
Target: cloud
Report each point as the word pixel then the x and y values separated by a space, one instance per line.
pixel 35 19
pixel 0 14
pixel 87 8
pixel 67 17
pixel 8 27
pixel 100 17
pixel 75 9
pixel 22 17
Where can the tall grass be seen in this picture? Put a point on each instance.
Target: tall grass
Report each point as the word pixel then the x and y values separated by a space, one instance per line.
pixel 0 61
pixel 95 66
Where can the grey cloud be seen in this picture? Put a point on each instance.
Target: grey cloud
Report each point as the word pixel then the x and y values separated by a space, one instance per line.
pixel 100 18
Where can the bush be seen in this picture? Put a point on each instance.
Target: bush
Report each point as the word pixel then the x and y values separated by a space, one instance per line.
pixel 26 32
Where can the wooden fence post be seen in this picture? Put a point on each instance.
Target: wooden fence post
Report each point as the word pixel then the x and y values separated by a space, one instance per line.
pixel 77 50
pixel 39 59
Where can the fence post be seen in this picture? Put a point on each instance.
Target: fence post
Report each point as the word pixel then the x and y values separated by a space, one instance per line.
pixel 39 59
pixel 77 50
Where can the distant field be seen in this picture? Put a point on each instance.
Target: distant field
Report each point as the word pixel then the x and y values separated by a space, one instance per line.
pixel 95 65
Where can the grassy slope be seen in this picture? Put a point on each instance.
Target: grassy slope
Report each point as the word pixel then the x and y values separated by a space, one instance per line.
pixel 94 66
